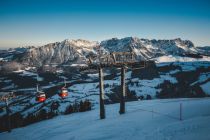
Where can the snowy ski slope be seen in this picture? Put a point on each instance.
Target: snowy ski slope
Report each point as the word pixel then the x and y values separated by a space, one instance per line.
pixel 144 120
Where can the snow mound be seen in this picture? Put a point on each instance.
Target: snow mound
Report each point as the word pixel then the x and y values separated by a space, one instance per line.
pixel 170 58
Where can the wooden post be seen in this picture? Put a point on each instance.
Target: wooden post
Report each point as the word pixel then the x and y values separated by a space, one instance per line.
pixel 5 98
pixel 101 86
pixel 8 116
pixel 180 111
pixel 122 94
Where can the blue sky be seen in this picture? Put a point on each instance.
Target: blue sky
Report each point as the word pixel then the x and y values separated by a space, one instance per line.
pixel 37 22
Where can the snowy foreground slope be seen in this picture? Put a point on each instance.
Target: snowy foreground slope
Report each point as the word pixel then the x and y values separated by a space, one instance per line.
pixel 153 119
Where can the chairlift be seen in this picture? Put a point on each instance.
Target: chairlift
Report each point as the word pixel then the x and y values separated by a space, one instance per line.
pixel 64 92
pixel 41 96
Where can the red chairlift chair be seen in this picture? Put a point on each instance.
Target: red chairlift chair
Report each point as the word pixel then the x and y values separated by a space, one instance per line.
pixel 64 92
pixel 41 96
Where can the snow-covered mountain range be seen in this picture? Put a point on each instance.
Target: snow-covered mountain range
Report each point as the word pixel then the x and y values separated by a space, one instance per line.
pixel 77 51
